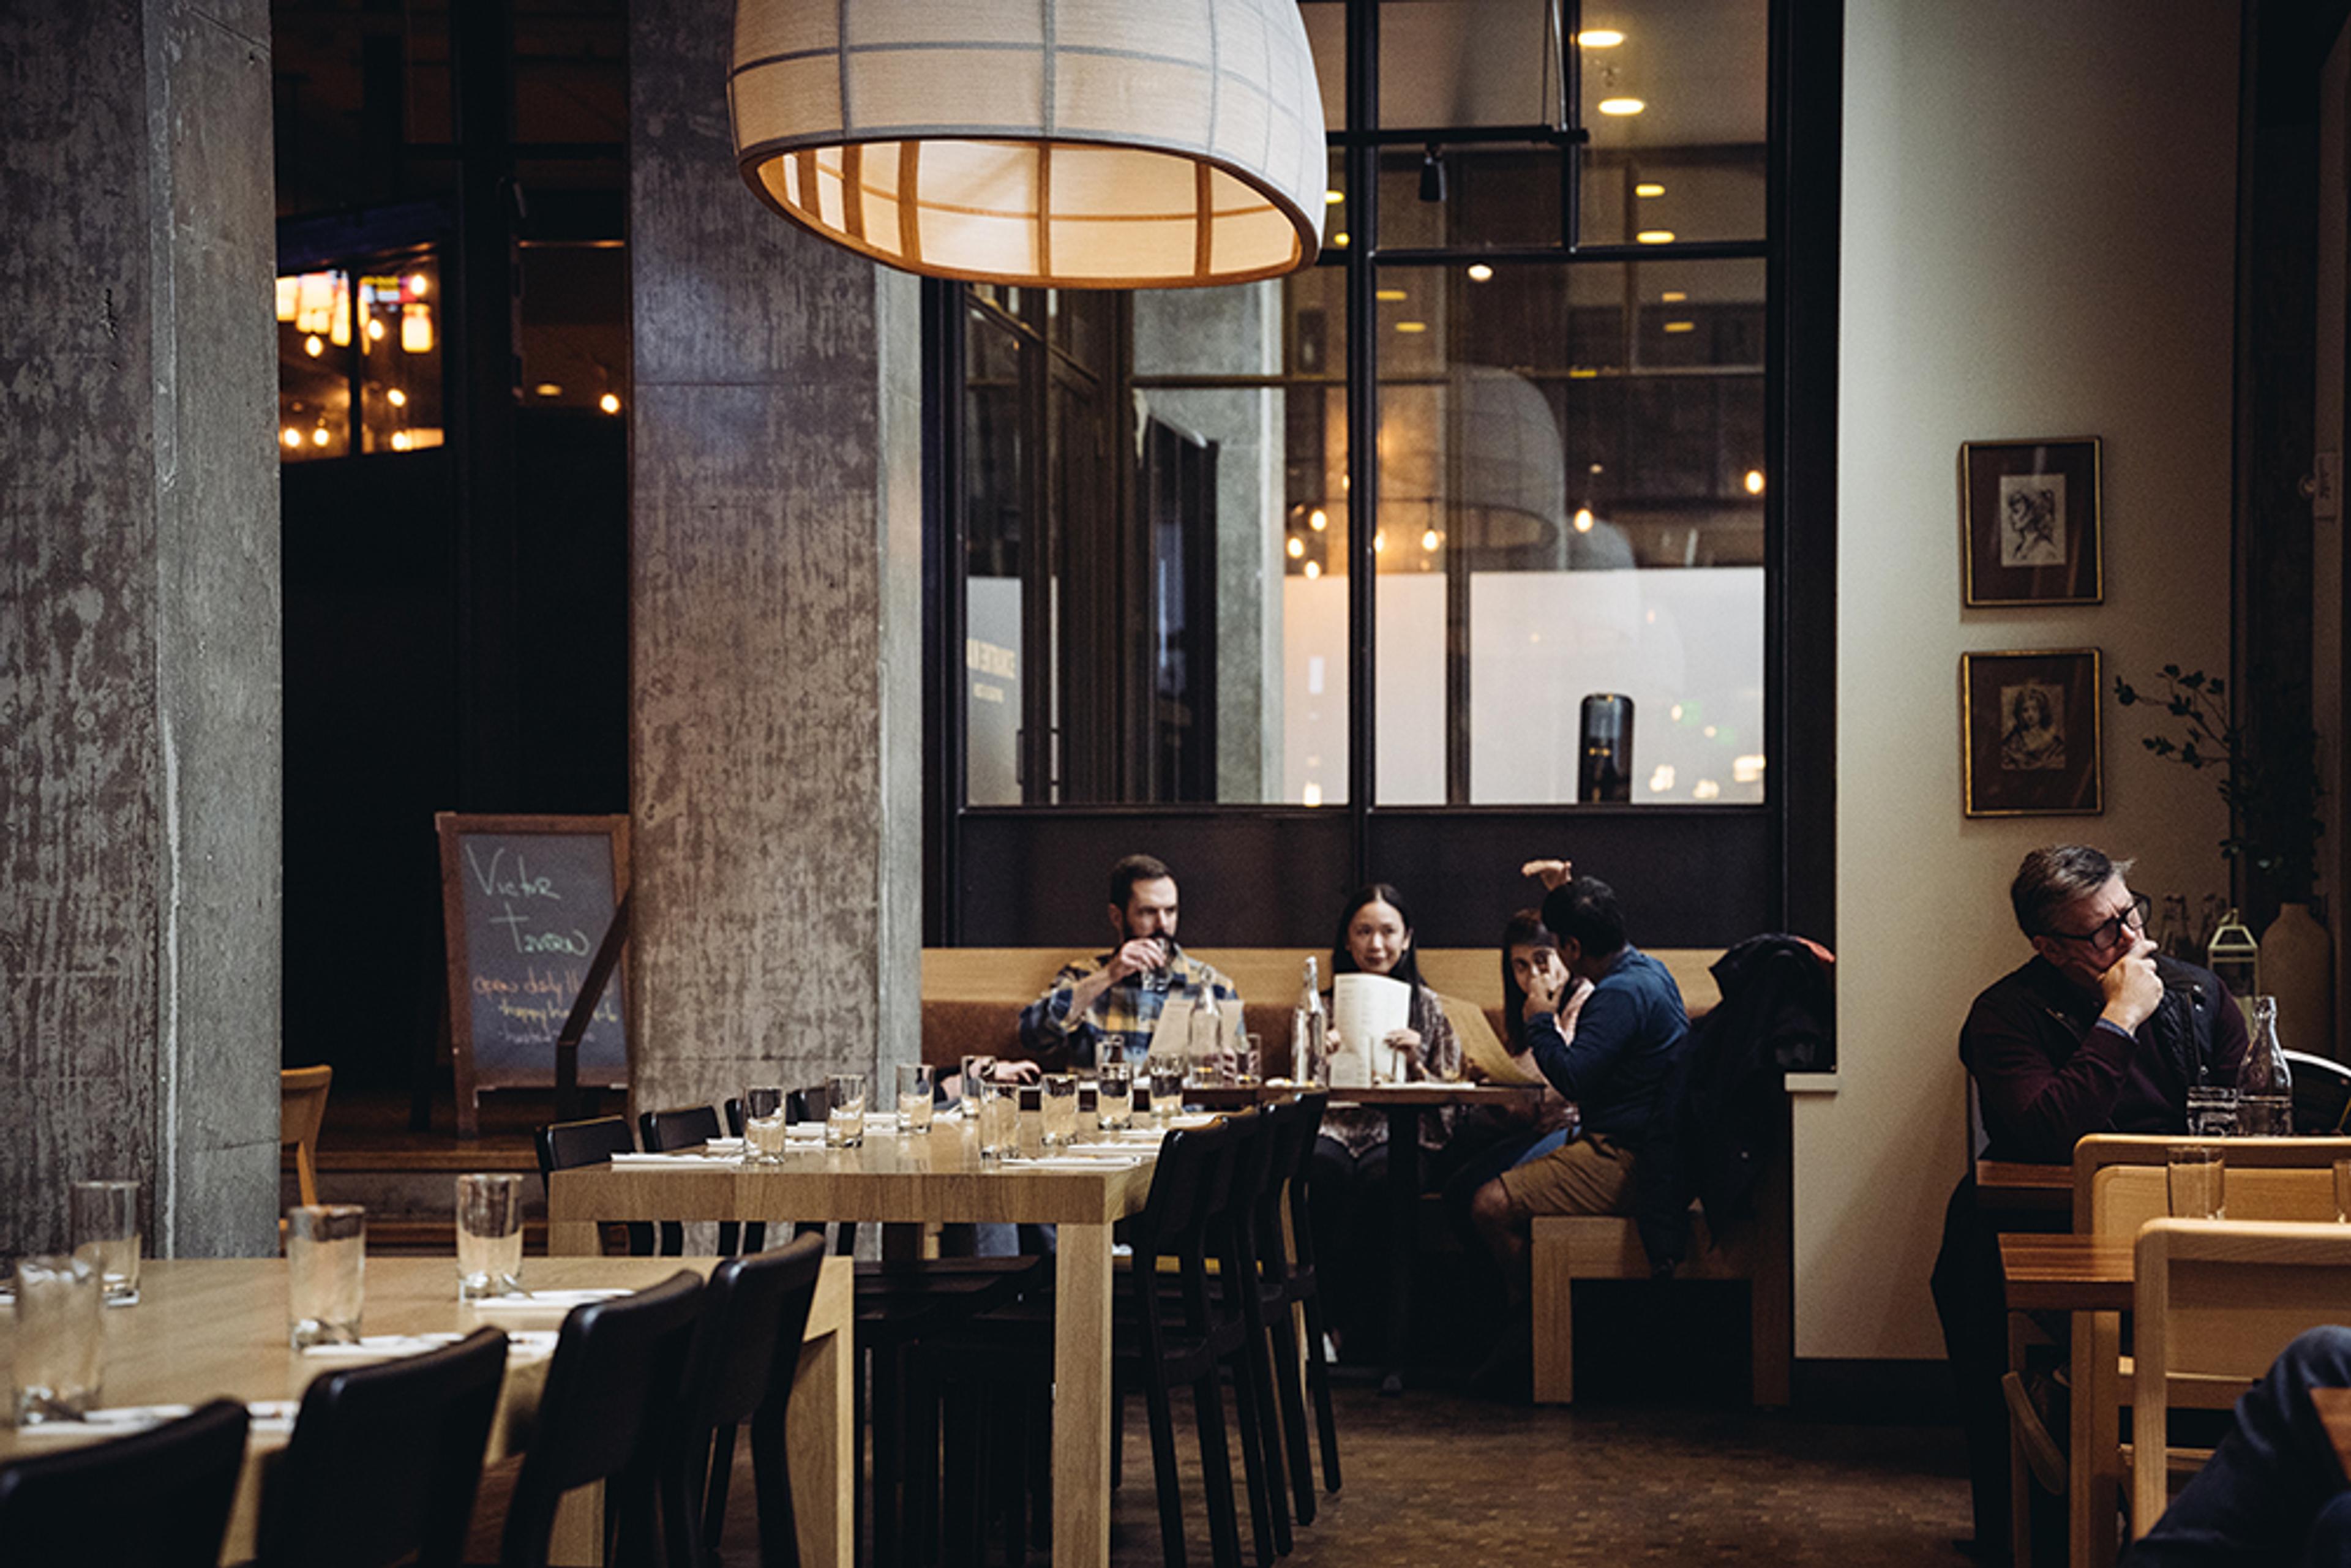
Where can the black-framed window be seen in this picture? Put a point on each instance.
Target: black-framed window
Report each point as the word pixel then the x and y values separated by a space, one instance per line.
pixel 1547 355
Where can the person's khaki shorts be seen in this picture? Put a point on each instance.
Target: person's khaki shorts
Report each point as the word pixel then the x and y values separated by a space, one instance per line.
pixel 1591 1175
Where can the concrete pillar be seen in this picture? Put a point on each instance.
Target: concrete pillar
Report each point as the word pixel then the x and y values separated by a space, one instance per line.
pixel 776 604
pixel 139 618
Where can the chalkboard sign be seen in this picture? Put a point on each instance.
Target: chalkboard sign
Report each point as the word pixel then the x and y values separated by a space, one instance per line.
pixel 524 902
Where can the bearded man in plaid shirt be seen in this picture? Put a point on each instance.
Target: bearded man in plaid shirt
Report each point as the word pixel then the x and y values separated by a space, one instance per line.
pixel 1122 991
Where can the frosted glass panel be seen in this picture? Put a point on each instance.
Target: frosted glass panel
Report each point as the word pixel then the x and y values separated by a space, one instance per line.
pixel 1686 646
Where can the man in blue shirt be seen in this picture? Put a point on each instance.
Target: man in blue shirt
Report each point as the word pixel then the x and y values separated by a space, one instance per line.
pixel 1614 1067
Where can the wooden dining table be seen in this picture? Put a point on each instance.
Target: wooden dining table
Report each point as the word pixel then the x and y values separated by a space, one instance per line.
pixel 1404 1104
pixel 905 1182
pixel 213 1328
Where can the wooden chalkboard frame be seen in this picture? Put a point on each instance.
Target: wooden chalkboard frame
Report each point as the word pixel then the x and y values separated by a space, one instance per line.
pixel 450 827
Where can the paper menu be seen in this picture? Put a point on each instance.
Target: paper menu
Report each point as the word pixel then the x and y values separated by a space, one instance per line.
pixel 1365 1009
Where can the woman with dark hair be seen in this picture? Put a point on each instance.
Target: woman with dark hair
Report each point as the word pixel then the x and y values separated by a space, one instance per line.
pixel 1488 1143
pixel 1351 1156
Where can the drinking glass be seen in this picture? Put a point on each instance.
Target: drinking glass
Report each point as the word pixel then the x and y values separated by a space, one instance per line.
pixel 999 1117
pixel 1110 1045
pixel 844 1119
pixel 489 1236
pixel 2343 1191
pixel 976 1070
pixel 60 1357
pixel 2211 1111
pixel 913 1097
pixel 2196 1182
pixel 1166 1085
pixel 104 1218
pixel 1060 1110
pixel 1113 1094
pixel 326 1273
pixel 1248 1062
pixel 1027 1135
pixel 763 1126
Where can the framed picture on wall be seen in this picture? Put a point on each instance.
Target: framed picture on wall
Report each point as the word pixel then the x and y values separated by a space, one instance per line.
pixel 2028 522
pixel 2029 734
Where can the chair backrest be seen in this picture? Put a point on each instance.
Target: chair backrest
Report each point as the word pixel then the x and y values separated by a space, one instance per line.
pixel 2322 1092
pixel 567 1146
pixel 385 1459
pixel 301 1107
pixel 1235 1227
pixel 734 1115
pixel 744 1354
pixel 684 1127
pixel 2097 1152
pixel 2124 1198
pixel 616 1371
pixel 1311 1109
pixel 2215 1302
pixel 156 1500
pixel 808 1104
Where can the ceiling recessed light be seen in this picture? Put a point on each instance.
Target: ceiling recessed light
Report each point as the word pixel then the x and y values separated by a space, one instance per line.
pixel 1314 568
pixel 1755 481
pixel 1333 198
pixel 1583 520
pixel 609 403
pixel 397 398
pixel 1297 547
pixel 547 389
pixel 1656 236
pixel 1431 540
pixel 1340 238
pixel 1622 106
pixel 1673 296
pixel 1318 520
pixel 1648 188
pixel 1681 326
pixel 1387 293
pixel 1479 272
pixel 1412 326
pixel 1600 38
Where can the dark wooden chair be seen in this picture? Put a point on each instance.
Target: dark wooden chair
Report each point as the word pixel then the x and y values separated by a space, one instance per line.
pixel 745 1351
pixel 667 1131
pixel 614 1379
pixel 155 1500
pixel 567 1145
pixel 385 1460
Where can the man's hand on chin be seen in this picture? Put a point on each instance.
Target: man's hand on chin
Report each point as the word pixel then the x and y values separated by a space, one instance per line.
pixel 2133 989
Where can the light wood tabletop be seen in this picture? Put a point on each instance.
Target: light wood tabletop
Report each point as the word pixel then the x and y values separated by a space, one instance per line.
pixel 907 1181
pixel 2067 1273
pixel 213 1328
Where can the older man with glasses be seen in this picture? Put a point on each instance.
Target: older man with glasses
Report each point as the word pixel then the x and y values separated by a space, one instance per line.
pixel 2097 1033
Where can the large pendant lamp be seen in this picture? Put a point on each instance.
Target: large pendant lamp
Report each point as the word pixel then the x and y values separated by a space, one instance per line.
pixel 1067 143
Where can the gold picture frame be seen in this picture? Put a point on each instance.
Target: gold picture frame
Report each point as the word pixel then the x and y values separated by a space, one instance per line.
pixel 2029 523
pixel 2032 738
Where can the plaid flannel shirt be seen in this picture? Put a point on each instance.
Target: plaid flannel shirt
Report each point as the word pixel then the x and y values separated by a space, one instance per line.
pixel 1131 1006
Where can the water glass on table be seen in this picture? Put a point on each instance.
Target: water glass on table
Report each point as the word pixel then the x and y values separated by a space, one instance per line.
pixel 60 1352
pixel 975 1072
pixel 763 1125
pixel 913 1097
pixel 1113 1093
pixel 326 1273
pixel 2211 1111
pixel 998 1116
pixel 845 1116
pixel 104 1218
pixel 2196 1182
pixel 1166 1085
pixel 1060 1110
pixel 489 1236
pixel 1247 1063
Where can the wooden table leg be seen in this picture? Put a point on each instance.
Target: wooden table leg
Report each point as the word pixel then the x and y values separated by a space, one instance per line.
pixel 2093 1467
pixel 820 1429
pixel 1082 1398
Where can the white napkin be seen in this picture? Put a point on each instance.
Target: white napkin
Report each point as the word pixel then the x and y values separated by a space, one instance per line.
pixel 377 1346
pixel 1071 1163
pixel 269 1418
pixel 543 1301
pixel 723 1146
pixel 1112 1151
pixel 685 1162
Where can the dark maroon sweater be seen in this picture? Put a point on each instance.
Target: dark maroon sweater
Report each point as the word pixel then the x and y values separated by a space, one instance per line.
pixel 2048 1073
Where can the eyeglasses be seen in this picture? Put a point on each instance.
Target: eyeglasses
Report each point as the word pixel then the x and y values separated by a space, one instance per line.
pixel 2133 919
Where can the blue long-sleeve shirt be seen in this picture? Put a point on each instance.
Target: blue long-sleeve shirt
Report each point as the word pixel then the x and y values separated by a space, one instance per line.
pixel 1626 1037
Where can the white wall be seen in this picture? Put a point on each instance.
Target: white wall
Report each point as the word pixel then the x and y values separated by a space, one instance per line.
pixel 2038 240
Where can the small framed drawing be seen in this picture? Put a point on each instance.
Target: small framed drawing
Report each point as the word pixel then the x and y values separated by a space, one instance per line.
pixel 2028 522
pixel 2030 733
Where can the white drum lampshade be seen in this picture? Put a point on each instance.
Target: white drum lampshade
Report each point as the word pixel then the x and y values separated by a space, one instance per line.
pixel 1065 144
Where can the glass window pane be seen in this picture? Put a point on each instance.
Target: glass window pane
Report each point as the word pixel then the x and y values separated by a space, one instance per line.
pixel 999 517
pixel 314 366
pixel 1453 64
pixel 1570 504
pixel 1241 413
pixel 1481 196
pixel 1676 106
pixel 575 333
pixel 400 355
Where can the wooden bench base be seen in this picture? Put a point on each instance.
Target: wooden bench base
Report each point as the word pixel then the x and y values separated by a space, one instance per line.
pixel 1568 1247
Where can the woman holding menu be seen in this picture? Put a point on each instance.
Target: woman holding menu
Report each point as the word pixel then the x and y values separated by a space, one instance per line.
pixel 1350 1158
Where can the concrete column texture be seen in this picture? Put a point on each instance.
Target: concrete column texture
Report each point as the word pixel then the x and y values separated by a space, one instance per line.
pixel 776 604
pixel 139 620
